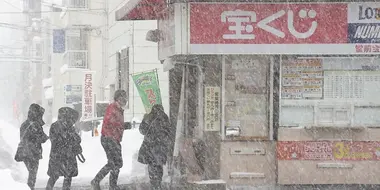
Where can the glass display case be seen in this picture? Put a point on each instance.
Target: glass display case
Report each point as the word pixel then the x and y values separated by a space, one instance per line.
pixel 246 96
pixel 330 91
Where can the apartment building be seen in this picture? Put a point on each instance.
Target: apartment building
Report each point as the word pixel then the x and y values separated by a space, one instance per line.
pixel 77 45
pixel 129 53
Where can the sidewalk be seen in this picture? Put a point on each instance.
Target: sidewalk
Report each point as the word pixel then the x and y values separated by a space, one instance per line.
pixel 145 186
pixel 134 186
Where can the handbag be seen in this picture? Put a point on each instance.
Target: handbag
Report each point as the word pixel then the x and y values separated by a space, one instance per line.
pixel 78 152
pixel 20 152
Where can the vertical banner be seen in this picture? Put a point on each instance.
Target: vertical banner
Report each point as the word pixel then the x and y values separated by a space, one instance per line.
pixel 88 98
pixel 148 88
pixel 212 109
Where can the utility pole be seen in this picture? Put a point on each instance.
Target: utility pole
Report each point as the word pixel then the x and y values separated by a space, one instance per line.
pixel 31 11
pixel 25 80
pixel 104 50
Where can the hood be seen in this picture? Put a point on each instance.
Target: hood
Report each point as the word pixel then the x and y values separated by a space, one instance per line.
pixel 36 113
pixel 157 109
pixel 68 115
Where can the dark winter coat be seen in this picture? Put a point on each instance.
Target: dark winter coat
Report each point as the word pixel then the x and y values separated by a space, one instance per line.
pixel 32 135
pixel 158 137
pixel 65 144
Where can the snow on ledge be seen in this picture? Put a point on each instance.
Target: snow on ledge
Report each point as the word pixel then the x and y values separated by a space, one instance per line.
pixel 49 93
pixel 216 181
pixel 47 82
pixel 65 68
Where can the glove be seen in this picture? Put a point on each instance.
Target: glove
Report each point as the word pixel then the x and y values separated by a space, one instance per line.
pixel 127 125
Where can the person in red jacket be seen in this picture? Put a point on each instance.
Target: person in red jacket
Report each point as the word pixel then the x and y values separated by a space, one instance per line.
pixel 112 134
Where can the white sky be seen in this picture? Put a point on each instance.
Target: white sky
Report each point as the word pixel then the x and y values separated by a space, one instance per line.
pixel 11 37
pixel 10 72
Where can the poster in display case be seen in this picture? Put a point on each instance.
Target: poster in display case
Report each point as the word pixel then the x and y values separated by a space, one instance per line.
pixel 302 79
pixel 330 91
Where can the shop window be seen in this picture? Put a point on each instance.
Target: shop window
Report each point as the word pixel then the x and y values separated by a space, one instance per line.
pixel 330 91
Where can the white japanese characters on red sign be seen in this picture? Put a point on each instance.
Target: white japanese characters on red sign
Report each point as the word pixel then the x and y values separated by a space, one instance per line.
pixel 88 109
pixel 283 28
pixel 238 17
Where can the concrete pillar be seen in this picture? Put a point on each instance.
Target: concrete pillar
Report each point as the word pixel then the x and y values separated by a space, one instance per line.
pixel 213 77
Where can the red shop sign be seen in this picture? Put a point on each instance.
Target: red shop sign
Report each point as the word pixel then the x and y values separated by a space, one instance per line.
pixel 269 28
pixel 328 150
pixel 268 23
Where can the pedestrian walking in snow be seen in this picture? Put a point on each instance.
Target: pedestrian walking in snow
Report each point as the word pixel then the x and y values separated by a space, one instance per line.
pixel 158 142
pixel 112 135
pixel 65 146
pixel 32 136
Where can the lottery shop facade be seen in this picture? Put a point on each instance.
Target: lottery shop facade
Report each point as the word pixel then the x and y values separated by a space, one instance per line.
pixel 280 93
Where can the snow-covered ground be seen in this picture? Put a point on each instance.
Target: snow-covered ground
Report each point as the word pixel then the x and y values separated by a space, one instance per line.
pixel 92 151
pixel 7 182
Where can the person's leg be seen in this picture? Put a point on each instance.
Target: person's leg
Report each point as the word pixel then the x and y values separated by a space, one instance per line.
pixel 66 183
pixel 155 175
pixel 51 182
pixel 107 146
pixel 114 176
pixel 32 166
pixel 117 164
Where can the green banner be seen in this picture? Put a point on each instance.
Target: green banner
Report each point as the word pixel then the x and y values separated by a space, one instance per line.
pixel 149 89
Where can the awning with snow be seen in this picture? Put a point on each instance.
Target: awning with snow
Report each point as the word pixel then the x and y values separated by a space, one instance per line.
pixel 141 10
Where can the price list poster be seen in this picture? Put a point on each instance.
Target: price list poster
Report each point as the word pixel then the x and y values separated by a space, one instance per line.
pixel 302 79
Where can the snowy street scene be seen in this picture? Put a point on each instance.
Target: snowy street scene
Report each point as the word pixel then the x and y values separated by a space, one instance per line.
pixel 189 95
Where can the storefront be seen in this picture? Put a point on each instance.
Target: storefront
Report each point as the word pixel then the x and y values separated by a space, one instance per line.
pixel 281 93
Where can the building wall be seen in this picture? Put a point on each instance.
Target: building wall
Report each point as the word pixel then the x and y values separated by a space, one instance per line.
pixel 143 57
pixel 94 19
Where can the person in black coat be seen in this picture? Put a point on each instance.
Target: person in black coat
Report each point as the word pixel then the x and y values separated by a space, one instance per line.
pixel 65 146
pixel 158 142
pixel 32 136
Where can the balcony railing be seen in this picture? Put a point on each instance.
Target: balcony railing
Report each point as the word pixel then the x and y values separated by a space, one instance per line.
pixel 76 4
pixel 76 59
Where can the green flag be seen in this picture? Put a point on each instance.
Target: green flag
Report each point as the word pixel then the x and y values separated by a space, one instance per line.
pixel 149 89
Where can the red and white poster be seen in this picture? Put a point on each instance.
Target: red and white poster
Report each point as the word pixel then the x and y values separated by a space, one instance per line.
pixel 259 28
pixel 328 150
pixel 88 99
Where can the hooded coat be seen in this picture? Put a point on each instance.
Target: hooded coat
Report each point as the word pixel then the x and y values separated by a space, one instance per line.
pixel 65 144
pixel 32 135
pixel 158 137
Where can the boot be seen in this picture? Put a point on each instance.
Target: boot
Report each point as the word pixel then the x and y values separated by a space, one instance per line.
pixel 95 185
pixel 50 183
pixel 67 183
pixel 114 176
pixel 114 188
pixel 155 185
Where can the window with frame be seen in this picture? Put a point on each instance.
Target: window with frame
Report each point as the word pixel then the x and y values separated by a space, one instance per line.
pixel 76 39
pixel 77 47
